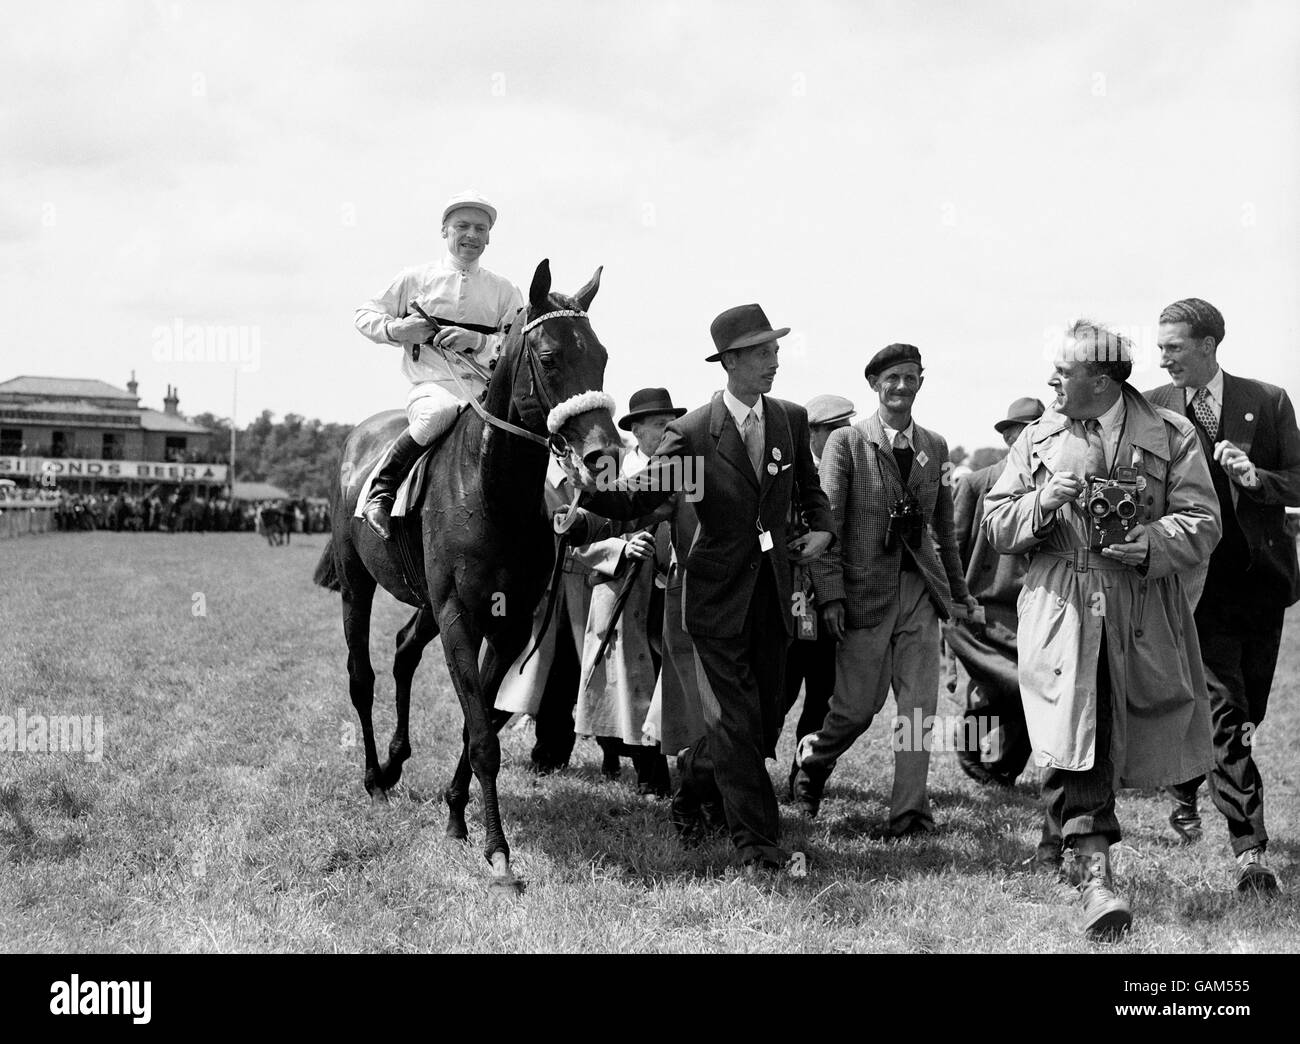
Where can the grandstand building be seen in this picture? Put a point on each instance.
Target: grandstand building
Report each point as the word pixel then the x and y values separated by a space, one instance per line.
pixel 85 435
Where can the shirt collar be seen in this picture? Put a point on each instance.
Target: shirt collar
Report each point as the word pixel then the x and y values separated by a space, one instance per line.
pixel 738 410
pixel 909 431
pixel 1214 385
pixel 451 263
pixel 1112 418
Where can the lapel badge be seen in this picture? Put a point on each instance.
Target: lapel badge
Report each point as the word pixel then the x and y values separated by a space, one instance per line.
pixel 776 450
pixel 922 459
pixel 772 469
pixel 1250 417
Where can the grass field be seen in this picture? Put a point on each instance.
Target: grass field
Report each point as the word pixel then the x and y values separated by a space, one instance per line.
pixel 228 813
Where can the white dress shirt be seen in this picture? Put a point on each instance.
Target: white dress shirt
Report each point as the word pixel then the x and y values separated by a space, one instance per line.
pixel 892 433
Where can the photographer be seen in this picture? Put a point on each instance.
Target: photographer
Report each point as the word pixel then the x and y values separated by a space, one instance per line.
pixel 1113 498
pixel 883 588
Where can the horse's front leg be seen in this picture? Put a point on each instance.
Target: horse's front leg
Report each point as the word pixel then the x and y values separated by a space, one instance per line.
pixel 461 645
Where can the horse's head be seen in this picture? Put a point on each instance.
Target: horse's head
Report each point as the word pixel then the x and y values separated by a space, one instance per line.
pixel 561 373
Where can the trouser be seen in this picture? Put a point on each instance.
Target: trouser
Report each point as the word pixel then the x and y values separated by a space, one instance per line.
pixel 742 719
pixel 1080 803
pixel 553 723
pixel 902 652
pixel 810 665
pixel 1239 646
pixel 993 702
pixel 431 408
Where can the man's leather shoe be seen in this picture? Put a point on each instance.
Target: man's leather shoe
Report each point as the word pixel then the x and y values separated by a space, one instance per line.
pixel 1185 818
pixel 1105 916
pixel 684 814
pixel 1254 875
pixel 399 460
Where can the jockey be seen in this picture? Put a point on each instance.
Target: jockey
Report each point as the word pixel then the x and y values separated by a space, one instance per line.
pixel 472 306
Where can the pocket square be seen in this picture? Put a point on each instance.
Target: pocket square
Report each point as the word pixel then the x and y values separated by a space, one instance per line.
pixel 786 467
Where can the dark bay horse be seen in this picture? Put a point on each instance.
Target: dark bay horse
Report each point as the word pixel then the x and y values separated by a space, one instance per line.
pixel 487 544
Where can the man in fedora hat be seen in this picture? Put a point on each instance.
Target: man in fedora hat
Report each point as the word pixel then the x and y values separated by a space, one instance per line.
pixel 885 587
pixel 471 305
pixel 615 692
pixel 754 450
pixel 810 665
pixel 994 714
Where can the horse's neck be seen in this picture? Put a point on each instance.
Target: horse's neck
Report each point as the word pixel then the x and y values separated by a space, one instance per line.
pixel 513 473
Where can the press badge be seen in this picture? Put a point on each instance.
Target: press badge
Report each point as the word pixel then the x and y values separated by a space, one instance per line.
pixel 764 537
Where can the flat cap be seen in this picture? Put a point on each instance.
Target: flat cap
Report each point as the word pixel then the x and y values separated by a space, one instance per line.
pixel 892 355
pixel 829 409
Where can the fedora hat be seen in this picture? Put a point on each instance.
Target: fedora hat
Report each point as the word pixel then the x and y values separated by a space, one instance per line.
pixel 741 327
pixel 470 198
pixel 646 403
pixel 1022 411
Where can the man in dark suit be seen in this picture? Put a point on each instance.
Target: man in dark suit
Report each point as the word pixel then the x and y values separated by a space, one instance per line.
pixel 1248 431
pixel 987 649
pixel 753 451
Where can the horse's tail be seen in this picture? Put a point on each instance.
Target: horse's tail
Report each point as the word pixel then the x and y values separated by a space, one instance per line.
pixel 327 569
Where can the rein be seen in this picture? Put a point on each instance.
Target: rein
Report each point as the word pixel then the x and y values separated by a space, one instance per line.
pixel 556 442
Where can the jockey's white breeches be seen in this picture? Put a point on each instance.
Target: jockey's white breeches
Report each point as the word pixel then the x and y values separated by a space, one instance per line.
pixel 432 406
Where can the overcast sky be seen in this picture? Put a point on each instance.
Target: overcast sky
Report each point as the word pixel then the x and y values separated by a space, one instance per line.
pixel 961 176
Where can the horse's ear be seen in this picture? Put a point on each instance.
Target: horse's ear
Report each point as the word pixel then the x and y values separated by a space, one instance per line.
pixel 584 296
pixel 541 288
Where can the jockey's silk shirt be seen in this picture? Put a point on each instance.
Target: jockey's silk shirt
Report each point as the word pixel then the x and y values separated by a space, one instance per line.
pixel 445 289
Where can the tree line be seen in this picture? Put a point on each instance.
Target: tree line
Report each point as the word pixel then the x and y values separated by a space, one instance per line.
pixel 296 454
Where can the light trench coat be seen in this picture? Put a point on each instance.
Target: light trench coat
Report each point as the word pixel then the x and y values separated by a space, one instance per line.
pixel 1160 724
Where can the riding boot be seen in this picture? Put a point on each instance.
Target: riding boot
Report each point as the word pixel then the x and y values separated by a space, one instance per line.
pixel 397 463
pixel 1105 916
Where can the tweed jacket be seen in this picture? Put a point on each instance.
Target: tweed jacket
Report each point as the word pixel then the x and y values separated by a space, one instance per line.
pixel 1260 419
pixel 994 579
pixel 862 482
pixel 722 566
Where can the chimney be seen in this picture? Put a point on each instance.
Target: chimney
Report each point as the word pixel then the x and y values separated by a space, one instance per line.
pixel 171 402
pixel 132 386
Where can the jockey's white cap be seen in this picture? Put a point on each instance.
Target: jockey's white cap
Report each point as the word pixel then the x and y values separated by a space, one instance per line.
pixel 470 198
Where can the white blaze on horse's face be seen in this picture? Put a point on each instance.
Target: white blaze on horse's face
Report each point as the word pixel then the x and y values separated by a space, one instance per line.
pixel 467 231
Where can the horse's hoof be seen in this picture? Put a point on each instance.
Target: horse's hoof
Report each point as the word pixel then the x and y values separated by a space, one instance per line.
pixel 506 887
pixel 378 798
pixel 456 830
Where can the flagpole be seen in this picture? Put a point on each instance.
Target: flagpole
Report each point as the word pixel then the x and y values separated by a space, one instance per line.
pixel 234 408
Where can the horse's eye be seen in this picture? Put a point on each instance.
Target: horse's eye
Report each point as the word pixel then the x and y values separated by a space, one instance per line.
pixel 548 360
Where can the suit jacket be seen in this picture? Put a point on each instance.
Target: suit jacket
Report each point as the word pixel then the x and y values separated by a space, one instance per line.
pixel 1260 419
pixel 862 480
pixel 992 578
pixel 722 566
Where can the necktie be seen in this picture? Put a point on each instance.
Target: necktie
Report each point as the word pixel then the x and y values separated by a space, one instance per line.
pixel 1205 413
pixel 900 442
pixel 752 433
pixel 1095 465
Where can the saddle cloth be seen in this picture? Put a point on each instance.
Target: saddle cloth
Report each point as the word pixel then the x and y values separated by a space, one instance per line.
pixel 409 493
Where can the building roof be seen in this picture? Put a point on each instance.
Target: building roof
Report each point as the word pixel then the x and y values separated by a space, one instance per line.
pixel 152 420
pixel 64 387
pixel 73 407
pixel 259 491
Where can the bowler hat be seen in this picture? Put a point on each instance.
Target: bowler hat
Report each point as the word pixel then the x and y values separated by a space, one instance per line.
pixel 647 402
pixel 892 355
pixel 828 409
pixel 741 327
pixel 1022 411
pixel 470 198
